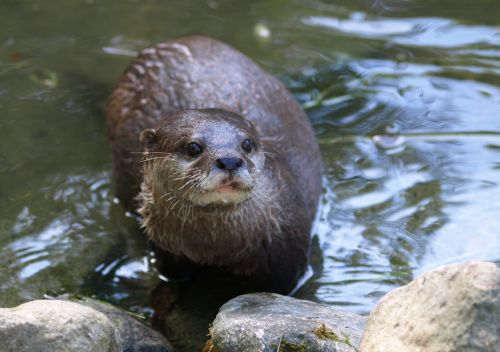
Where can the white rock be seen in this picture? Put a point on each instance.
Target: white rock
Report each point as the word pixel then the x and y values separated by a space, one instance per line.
pixel 452 308
pixel 52 325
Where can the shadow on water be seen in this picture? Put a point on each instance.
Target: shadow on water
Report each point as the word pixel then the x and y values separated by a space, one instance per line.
pixel 403 96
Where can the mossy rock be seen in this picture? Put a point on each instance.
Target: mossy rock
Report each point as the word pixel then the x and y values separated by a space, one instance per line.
pixel 268 322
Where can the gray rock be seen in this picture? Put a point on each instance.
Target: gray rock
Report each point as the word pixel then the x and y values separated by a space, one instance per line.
pixel 452 308
pixel 268 322
pixel 85 325
pixel 47 326
pixel 132 334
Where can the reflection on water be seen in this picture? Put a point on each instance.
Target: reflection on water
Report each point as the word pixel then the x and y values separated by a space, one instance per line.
pixel 427 32
pixel 404 97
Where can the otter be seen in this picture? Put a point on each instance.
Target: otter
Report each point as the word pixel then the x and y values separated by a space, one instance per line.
pixel 218 159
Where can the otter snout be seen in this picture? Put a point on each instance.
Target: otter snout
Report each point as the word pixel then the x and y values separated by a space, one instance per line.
pixel 229 164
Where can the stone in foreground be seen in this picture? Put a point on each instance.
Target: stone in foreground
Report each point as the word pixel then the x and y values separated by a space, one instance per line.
pixel 84 325
pixel 268 322
pixel 132 334
pixel 452 308
pixel 47 326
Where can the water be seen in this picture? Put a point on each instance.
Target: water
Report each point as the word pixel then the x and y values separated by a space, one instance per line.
pixel 404 97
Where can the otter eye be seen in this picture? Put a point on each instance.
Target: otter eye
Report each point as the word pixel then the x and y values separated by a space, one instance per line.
pixel 247 145
pixel 194 149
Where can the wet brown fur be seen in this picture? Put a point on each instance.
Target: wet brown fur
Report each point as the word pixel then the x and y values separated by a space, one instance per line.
pixel 266 236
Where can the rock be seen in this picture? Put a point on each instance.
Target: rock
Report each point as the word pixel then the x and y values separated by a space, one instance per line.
pixel 132 334
pixel 267 322
pixel 452 308
pixel 47 326
pixel 78 325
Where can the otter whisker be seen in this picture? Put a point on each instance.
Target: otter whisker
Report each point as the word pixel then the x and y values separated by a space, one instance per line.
pixel 156 158
pixel 187 184
pixel 179 213
pixel 170 199
pixel 188 190
pixel 145 153
pixel 172 196
pixel 193 186
pixel 174 205
pixel 182 178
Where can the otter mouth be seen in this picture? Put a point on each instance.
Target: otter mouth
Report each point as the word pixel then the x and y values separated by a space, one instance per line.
pixel 226 192
pixel 227 186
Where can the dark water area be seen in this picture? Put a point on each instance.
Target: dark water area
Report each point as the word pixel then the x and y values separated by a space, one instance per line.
pixel 404 97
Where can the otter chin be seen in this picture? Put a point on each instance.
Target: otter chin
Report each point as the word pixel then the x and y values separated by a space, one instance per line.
pixel 219 161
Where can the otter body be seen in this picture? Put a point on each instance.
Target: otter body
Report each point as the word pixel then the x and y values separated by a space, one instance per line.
pixel 219 160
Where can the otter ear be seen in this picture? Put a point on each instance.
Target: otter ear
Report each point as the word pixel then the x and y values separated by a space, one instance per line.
pixel 148 139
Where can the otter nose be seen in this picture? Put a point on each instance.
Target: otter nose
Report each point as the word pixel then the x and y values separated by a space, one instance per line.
pixel 229 164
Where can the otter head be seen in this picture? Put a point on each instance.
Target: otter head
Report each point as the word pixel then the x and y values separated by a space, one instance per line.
pixel 204 157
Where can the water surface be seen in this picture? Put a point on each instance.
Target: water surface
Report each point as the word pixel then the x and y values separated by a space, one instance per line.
pixel 404 97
